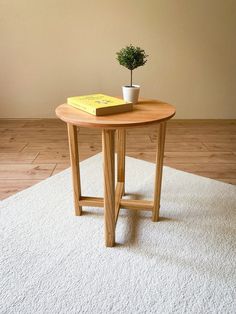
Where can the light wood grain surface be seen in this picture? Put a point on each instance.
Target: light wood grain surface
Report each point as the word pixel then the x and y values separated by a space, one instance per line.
pixel 144 113
pixel 33 150
pixel 108 143
pixel 75 166
pixel 120 150
pixel 159 168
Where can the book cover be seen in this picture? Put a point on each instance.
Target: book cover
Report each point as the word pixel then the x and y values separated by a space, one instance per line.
pixel 99 104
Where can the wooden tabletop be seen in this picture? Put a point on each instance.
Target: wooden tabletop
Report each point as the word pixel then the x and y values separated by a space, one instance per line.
pixel 143 113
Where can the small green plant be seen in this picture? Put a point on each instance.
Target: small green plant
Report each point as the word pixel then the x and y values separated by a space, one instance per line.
pixel 131 57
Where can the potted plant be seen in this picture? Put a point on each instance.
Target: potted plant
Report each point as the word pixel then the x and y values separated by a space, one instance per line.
pixel 131 58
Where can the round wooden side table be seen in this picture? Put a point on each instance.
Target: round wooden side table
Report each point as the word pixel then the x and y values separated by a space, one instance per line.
pixel 146 112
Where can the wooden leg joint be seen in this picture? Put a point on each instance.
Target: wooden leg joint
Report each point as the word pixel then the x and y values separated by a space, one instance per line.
pixel 132 204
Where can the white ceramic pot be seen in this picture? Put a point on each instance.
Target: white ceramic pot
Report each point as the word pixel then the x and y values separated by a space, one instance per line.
pixel 131 93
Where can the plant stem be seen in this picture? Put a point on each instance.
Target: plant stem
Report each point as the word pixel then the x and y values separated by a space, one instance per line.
pixel 131 78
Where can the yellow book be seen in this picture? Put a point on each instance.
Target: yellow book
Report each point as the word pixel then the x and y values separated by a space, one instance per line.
pixel 99 104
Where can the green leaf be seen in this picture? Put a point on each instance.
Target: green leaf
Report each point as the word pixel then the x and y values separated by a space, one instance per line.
pixel 131 57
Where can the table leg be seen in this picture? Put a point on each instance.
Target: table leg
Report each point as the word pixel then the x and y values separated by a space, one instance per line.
pixel 74 159
pixel 121 143
pixel 159 167
pixel 108 147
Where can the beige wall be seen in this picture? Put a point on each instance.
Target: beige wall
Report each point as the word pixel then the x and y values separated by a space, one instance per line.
pixel 51 49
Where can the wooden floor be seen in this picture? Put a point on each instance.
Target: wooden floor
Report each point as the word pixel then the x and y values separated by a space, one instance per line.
pixel 33 150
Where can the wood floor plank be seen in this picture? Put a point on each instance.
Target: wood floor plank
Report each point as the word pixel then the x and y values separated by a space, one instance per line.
pixel 188 157
pixel 169 147
pixel 12 123
pixel 33 135
pixel 201 122
pixel 185 147
pixel 45 147
pixel 60 167
pixel 221 146
pixel 61 156
pixel 200 131
pixel 52 157
pixel 31 138
pixel 45 124
pixel 199 138
pixel 203 157
pixel 26 171
pixel 29 133
pixel 17 158
pixel 216 171
pixel 11 147
pixel 10 187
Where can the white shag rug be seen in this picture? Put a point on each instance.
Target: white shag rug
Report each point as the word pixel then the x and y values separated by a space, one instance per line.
pixel 53 262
